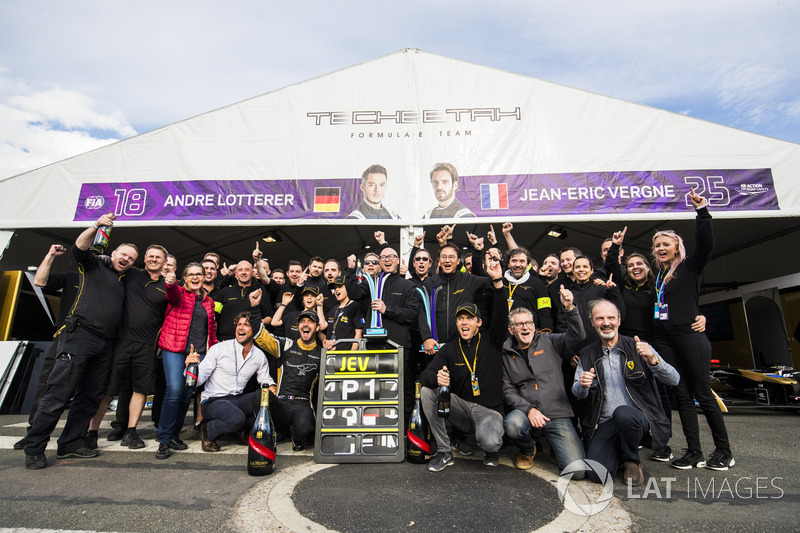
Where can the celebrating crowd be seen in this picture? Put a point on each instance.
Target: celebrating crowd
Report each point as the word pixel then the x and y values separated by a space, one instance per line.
pixel 585 358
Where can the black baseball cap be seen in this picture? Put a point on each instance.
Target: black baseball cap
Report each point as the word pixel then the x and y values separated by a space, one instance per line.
pixel 468 308
pixel 308 314
pixel 313 289
pixel 338 280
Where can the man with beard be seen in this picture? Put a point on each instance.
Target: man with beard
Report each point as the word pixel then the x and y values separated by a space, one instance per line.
pixel 300 362
pixel 524 289
pixel 225 371
pixel 444 180
pixel 80 372
pixel 533 385
pixel 621 394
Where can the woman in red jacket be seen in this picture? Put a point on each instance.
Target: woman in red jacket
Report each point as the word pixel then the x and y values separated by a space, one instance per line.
pixel 189 322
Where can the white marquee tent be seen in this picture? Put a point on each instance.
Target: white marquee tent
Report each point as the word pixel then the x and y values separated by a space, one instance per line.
pixel 527 151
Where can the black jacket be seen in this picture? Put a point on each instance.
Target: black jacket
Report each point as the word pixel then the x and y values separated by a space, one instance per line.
pixel 454 289
pixel 641 386
pixel 488 362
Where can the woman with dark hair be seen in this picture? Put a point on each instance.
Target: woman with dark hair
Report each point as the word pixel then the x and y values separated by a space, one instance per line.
pixel 677 288
pixel 189 323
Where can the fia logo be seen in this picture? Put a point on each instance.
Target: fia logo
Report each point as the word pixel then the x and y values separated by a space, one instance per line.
pixel 94 202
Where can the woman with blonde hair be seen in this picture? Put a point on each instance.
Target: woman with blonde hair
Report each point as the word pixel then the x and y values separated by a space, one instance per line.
pixel 677 288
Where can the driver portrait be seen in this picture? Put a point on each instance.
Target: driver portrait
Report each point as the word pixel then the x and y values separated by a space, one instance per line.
pixel 444 181
pixel 374 181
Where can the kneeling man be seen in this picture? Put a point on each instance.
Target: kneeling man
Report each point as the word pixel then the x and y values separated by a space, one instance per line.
pixel 225 371
pixel 533 385
pixel 471 366
pixel 621 393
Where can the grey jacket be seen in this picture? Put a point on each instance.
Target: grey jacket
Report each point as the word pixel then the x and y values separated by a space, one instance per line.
pixel 540 383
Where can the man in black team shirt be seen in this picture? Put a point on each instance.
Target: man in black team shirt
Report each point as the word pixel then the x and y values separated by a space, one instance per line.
pixel 133 371
pixel 299 361
pixel 444 180
pixel 67 283
pixel 471 365
pixel 373 185
pixel 233 299
pixel 84 351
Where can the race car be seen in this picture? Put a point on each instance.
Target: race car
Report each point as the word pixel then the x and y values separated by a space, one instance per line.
pixel 775 386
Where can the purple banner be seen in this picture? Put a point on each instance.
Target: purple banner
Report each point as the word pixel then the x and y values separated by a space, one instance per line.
pixel 617 192
pixel 220 200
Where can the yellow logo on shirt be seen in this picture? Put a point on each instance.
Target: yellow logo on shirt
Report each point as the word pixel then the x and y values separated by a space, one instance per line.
pixel 630 365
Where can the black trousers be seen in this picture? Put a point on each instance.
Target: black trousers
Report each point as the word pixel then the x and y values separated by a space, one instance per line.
pixel 690 354
pixel 294 415
pixel 82 369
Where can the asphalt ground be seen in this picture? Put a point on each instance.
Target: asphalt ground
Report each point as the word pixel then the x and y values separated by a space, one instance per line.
pixel 129 490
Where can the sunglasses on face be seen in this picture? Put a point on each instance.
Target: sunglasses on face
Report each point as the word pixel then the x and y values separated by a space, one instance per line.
pixel 371 262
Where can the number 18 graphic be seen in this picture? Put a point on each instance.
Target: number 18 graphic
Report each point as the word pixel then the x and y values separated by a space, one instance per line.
pixel 130 202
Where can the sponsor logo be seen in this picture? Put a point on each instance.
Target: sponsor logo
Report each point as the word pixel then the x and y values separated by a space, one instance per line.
pixel 751 189
pixel 403 116
pixel 94 202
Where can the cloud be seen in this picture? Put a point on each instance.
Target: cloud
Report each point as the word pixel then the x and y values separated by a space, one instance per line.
pixel 38 127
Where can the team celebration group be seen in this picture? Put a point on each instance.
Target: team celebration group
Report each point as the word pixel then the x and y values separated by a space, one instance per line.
pixel 589 358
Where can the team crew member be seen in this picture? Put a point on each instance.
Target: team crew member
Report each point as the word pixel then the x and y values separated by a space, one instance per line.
pixel 677 294
pixel 524 289
pixel 80 372
pixel 471 365
pixel 233 299
pixel 345 321
pixel 67 283
pixel 133 372
pixel 189 323
pixel 452 288
pixel 620 390
pixel 311 301
pixel 533 385
pixel 225 371
pixel 299 362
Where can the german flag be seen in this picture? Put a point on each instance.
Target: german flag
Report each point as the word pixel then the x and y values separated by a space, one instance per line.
pixel 326 199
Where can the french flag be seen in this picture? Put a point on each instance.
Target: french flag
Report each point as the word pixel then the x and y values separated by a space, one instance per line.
pixel 494 196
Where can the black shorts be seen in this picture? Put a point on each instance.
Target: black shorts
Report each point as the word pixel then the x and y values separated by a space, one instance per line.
pixel 134 367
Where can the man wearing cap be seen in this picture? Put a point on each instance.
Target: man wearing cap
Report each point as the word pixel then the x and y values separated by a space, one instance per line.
pixel 345 321
pixel 310 300
pixel 471 365
pixel 299 361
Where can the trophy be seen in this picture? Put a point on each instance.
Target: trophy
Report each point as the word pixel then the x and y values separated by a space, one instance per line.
pixel 430 311
pixel 376 329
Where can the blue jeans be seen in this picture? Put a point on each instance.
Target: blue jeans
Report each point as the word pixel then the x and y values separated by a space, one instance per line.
pixel 176 397
pixel 559 432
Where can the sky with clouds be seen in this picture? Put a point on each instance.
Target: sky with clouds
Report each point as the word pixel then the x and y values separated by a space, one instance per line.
pixel 78 74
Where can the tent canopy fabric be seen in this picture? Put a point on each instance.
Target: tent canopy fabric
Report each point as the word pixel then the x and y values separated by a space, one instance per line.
pixel 524 150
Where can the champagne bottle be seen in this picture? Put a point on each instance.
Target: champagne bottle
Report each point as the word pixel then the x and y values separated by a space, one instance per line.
pixel 261 453
pixel 418 449
pixel 100 240
pixel 443 402
pixel 191 374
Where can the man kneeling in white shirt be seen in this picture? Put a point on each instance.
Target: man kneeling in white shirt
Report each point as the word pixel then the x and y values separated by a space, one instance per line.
pixel 225 371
